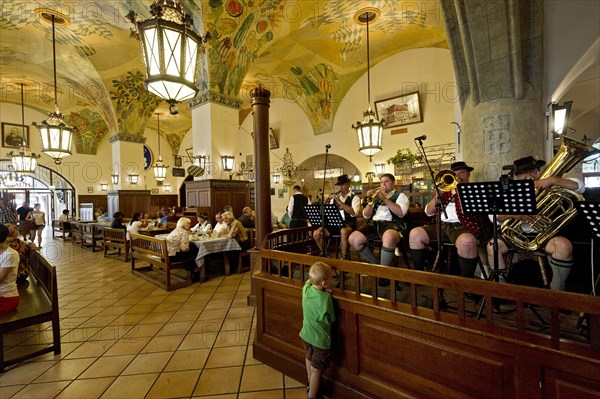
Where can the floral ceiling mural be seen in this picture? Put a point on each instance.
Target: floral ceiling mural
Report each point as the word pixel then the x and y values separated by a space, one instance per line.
pixel 310 52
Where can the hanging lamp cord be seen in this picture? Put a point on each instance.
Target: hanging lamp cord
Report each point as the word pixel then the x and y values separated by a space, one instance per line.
pixel 54 60
pixel 368 64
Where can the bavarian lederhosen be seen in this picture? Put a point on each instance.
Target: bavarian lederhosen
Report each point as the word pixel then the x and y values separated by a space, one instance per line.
pixel 397 220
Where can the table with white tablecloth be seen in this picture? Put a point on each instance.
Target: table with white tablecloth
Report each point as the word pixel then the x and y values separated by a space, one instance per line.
pixel 208 246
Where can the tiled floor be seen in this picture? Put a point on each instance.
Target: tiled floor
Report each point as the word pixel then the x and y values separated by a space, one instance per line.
pixel 123 337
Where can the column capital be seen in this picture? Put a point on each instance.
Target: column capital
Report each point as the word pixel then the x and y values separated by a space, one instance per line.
pixel 259 92
pixel 209 96
pixel 130 138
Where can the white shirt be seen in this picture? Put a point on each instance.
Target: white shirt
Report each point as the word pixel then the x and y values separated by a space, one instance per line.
pixel 383 213
pixel 202 228
pixel 133 228
pixel 9 259
pixel 355 204
pixel 220 228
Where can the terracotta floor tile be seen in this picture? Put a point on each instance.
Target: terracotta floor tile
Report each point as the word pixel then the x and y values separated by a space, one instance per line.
pixel 108 366
pixel 127 346
pixel 211 314
pixel 241 312
pixel 261 378
pixel 25 373
pixel 232 338
pixel 91 349
pixel 294 393
pixel 144 330
pixel 198 341
pixel 194 359
pixel 237 323
pixel 204 326
pixel 7 392
pixel 174 384
pixel 130 386
pixel 161 317
pixel 88 389
pixel 292 383
pixel 42 391
pixel 167 343
pixel 218 381
pixel 273 394
pixel 226 357
pixel 188 315
pixel 175 328
pixel 66 369
pixel 148 363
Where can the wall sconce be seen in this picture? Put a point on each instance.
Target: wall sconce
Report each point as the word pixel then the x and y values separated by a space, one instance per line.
pixel 104 186
pixel 559 117
pixel 115 178
pixel 201 161
pixel 379 168
pixel 133 178
pixel 356 177
pixel 167 187
pixel 276 178
pixel 227 161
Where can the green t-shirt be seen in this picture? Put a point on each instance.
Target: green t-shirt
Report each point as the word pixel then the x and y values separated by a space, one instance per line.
pixel 317 307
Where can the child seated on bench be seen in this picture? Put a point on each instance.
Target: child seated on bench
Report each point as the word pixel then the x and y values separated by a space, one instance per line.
pixel 9 264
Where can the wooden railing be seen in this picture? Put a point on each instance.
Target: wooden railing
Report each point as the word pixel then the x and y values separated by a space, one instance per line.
pixel 523 343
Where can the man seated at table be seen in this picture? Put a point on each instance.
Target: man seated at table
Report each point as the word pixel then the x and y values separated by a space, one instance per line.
pixel 247 218
pixel 220 226
pixel 238 232
pixel 178 245
pixel 64 218
pixel 203 226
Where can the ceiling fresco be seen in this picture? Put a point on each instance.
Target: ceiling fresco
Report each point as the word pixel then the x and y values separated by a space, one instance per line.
pixel 307 51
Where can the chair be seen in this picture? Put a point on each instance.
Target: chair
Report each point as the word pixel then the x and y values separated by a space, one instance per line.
pixel 115 239
pixel 244 253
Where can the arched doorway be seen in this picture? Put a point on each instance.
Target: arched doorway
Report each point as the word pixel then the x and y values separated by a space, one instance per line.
pixel 311 175
pixel 46 186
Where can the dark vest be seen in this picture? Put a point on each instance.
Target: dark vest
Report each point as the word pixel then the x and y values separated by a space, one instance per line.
pixel 349 220
pixel 300 201
pixel 395 218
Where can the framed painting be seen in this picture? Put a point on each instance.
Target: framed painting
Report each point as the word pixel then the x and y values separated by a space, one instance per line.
pixel 12 135
pixel 401 110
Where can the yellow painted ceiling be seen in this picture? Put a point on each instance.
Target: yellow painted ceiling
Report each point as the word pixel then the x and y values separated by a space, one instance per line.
pixel 308 51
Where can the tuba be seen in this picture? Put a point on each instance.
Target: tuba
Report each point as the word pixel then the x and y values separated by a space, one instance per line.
pixel 555 206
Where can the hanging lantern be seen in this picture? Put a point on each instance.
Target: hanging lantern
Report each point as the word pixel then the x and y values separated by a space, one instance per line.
pixel 369 130
pixel 23 160
pixel 171 51
pixel 160 170
pixel 56 134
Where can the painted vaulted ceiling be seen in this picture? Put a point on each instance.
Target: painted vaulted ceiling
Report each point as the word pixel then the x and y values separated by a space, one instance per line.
pixel 307 51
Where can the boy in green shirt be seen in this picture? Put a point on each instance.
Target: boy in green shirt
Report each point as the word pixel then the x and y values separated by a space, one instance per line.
pixel 317 308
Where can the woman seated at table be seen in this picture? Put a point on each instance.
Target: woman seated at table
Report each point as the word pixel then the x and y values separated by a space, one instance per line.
pixel 202 227
pixel 117 222
pixel 238 232
pixel 178 245
pixel 136 224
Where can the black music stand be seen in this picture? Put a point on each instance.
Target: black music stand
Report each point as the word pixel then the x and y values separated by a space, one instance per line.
pixel 331 215
pixel 590 210
pixel 504 197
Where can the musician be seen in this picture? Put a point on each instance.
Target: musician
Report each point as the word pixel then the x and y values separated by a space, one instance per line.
pixel 559 249
pixel 296 208
pixel 349 205
pixel 385 212
pixel 464 231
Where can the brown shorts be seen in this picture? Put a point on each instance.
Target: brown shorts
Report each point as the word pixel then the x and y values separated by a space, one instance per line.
pixel 319 358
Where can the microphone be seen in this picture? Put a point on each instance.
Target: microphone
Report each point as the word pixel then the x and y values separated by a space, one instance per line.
pixel 328 146
pixel 421 138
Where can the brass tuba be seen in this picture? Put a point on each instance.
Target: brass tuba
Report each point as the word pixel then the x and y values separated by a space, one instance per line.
pixel 446 180
pixel 555 206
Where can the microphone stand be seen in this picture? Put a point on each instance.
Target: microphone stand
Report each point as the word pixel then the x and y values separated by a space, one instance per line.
pixel 322 207
pixel 439 207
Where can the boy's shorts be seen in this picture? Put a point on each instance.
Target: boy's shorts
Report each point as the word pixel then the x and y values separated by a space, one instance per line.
pixel 319 358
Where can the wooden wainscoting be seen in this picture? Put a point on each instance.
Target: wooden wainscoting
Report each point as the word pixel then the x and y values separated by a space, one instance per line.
pixel 401 343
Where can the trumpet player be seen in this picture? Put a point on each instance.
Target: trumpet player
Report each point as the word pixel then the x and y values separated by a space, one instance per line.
pixel 385 213
pixel 349 205
pixel 559 249
pixel 464 231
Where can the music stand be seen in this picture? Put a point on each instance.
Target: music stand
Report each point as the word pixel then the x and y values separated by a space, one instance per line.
pixel 504 197
pixel 331 215
pixel 590 210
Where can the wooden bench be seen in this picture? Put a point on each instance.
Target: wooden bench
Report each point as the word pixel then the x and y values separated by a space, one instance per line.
pixel 60 231
pixel 157 269
pixel 250 232
pixel 38 304
pixel 115 239
pixel 76 233
pixel 91 236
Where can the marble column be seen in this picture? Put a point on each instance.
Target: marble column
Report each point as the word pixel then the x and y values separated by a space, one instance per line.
pixel 127 158
pixel 496 46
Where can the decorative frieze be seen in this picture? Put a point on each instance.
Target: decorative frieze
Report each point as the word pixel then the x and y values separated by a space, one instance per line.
pixel 130 138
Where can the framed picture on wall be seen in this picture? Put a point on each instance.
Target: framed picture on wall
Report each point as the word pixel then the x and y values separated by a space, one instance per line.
pixel 177 161
pixel 400 111
pixel 280 193
pixel 12 135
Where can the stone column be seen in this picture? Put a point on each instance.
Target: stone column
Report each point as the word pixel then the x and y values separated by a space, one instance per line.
pixel 127 158
pixel 496 46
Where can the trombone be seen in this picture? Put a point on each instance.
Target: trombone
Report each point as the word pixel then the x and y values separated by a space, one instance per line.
pixel 446 180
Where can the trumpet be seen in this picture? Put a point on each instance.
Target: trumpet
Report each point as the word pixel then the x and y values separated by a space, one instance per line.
pixel 446 180
pixel 368 200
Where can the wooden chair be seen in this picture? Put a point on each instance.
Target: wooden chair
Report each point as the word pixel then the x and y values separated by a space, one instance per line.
pixel 158 268
pixel 245 254
pixel 115 239
pixel 77 233
pixel 60 231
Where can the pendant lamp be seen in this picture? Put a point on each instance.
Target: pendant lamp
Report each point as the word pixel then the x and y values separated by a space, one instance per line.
pixel 23 160
pixel 160 170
